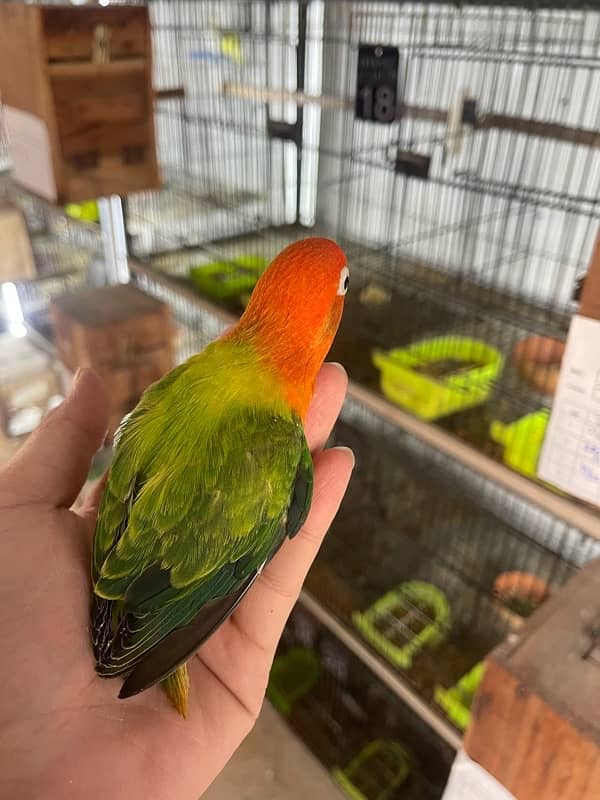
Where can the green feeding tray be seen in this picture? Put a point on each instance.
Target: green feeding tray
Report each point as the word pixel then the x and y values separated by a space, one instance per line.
pixel 522 440
pixel 293 675
pixel 228 279
pixel 86 212
pixel 404 621
pixel 457 700
pixel 438 377
pixel 381 767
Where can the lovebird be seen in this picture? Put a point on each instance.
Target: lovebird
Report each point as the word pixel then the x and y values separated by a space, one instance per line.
pixel 211 473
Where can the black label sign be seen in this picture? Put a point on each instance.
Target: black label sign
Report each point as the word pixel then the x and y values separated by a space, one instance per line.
pixel 377 83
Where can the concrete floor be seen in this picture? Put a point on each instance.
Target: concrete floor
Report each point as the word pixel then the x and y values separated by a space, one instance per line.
pixel 272 764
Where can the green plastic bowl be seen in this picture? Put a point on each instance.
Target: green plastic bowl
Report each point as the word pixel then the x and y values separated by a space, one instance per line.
pixel 86 212
pixel 293 675
pixel 457 700
pixel 431 397
pixel 522 441
pixel 225 280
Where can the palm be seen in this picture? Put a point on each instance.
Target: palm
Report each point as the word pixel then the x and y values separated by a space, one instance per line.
pixel 62 726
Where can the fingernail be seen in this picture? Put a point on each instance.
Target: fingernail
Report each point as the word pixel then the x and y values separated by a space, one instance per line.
pixel 349 453
pixel 339 366
pixel 76 378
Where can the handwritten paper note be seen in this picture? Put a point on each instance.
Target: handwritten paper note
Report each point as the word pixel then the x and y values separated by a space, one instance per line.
pixel 570 457
pixel 469 781
pixel 29 146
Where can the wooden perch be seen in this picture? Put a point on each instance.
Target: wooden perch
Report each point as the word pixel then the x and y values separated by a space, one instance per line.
pixel 174 93
pixel 506 122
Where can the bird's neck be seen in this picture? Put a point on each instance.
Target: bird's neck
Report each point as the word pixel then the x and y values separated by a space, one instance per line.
pixel 295 366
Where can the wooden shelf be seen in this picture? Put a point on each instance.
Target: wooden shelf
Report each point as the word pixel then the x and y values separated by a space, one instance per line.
pixel 87 69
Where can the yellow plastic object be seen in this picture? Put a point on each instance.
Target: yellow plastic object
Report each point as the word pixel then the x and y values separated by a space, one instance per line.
pixel 293 675
pixel 228 279
pixel 380 762
pixel 457 700
pixel 433 397
pixel 410 598
pixel 86 212
pixel 522 441
pixel 231 47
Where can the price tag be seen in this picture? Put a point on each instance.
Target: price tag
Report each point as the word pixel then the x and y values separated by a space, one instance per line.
pixel 377 83
pixel 469 781
pixel 570 456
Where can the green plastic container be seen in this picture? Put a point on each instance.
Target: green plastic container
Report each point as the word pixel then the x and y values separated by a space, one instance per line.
pixel 391 769
pixel 225 280
pixel 457 700
pixel 86 212
pixel 293 675
pixel 522 441
pixel 408 595
pixel 430 397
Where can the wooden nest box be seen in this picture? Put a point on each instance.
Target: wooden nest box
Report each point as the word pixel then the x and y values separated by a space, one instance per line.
pixel 76 84
pixel 125 335
pixel 535 722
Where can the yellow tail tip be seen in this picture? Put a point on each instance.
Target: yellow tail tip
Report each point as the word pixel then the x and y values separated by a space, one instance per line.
pixel 176 687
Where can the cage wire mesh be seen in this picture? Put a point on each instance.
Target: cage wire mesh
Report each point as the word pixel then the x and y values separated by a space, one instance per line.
pixel 413 514
pixel 67 256
pixel 468 217
pixel 354 725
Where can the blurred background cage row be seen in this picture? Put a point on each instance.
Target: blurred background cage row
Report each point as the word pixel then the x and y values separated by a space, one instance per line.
pixel 454 152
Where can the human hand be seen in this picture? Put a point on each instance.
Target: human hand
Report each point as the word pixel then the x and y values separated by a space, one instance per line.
pixel 63 732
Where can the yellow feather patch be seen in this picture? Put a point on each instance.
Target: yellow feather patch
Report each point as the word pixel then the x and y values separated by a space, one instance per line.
pixel 176 687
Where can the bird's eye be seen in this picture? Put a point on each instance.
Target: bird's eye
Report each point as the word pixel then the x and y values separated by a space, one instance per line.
pixel 344 281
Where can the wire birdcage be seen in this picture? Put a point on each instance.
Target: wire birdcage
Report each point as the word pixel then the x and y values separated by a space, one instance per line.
pixel 343 716
pixel 412 515
pixel 467 204
pixel 468 211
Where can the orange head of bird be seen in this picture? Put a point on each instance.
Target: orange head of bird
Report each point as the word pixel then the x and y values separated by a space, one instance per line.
pixel 294 312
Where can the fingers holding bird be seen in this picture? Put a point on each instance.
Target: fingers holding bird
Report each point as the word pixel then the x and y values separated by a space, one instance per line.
pixel 330 391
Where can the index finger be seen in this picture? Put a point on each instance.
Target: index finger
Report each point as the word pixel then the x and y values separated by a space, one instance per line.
pixel 330 390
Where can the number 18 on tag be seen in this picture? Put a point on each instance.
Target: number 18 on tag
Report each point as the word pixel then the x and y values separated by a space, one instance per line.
pixel 377 83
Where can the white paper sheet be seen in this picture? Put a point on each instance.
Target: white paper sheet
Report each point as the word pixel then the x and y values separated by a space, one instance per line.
pixel 570 457
pixel 29 146
pixel 468 781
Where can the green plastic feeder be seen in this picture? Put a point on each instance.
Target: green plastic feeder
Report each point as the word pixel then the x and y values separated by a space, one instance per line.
pixel 522 441
pixel 404 380
pixel 293 675
pixel 86 212
pixel 399 614
pixel 383 764
pixel 457 700
pixel 225 280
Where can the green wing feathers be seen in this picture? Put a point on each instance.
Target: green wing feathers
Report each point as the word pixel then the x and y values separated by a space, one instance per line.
pixel 209 476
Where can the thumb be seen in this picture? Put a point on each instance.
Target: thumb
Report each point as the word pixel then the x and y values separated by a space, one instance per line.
pixel 53 464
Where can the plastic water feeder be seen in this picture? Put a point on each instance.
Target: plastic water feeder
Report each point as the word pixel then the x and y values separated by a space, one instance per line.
pixel 381 767
pixel 438 377
pixel 293 675
pixel 404 621
pixel 522 441
pixel 457 700
pixel 225 280
pixel 86 212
